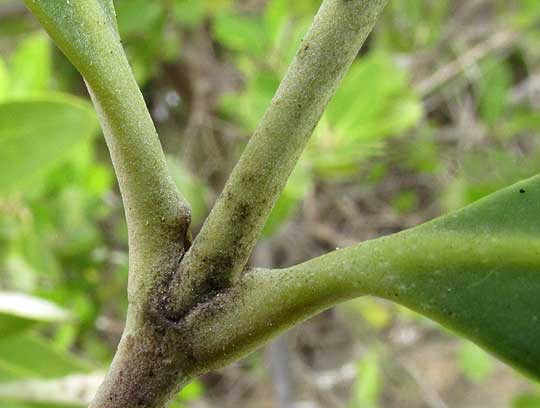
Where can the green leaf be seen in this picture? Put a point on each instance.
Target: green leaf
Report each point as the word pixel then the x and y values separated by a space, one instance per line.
pixel 476 271
pixel 476 364
pixel 189 12
pixel 34 374
pixel 526 401
pixel 240 33
pixel 298 184
pixel 18 312
pixel 31 65
pixel 135 16
pixel 494 89
pixel 193 189
pixel 368 384
pixel 374 102
pixel 192 391
pixel 4 80
pixel 27 356
pixel 37 134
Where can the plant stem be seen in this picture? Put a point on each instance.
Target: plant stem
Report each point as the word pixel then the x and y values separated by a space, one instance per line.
pixel 157 217
pixel 474 271
pixel 222 248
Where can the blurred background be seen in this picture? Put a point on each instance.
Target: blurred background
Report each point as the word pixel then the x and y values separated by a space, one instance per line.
pixel 441 108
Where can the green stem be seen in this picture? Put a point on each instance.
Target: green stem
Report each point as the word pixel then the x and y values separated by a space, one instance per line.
pixel 157 216
pixel 222 248
pixel 475 271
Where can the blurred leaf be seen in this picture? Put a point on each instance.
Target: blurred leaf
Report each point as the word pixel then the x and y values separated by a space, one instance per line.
pixel 276 16
pixel 369 383
pixel 373 103
pixel 523 120
pixel 189 12
pixel 494 87
pixel 249 107
pixel 528 13
pixel 372 311
pixel 31 65
pixel 405 202
pixel 413 25
pixel 526 401
pixel 74 390
pixel 240 33
pixel 136 16
pixel 37 134
pixel 296 188
pixel 18 312
pixel 27 356
pixel 192 391
pixel 4 80
pixel 191 188
pixel 476 364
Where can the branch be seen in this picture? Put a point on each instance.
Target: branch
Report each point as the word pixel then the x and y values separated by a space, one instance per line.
pixel 157 217
pixel 475 271
pixel 222 248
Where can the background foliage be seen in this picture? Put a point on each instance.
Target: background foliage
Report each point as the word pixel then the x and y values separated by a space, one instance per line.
pixel 440 109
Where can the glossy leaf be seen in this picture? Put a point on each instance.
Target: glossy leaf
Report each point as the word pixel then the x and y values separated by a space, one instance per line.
pixel 37 134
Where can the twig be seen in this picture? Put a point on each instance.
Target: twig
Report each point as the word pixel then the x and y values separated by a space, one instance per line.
pixel 463 62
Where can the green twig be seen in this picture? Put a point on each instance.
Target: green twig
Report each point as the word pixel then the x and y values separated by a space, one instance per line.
pixel 157 217
pixel 222 248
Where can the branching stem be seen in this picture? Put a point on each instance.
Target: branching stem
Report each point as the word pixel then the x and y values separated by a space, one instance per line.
pixel 222 248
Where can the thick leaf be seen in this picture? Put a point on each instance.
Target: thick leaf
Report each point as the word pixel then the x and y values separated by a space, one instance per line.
pixel 476 271
pixel 19 311
pixel 37 134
